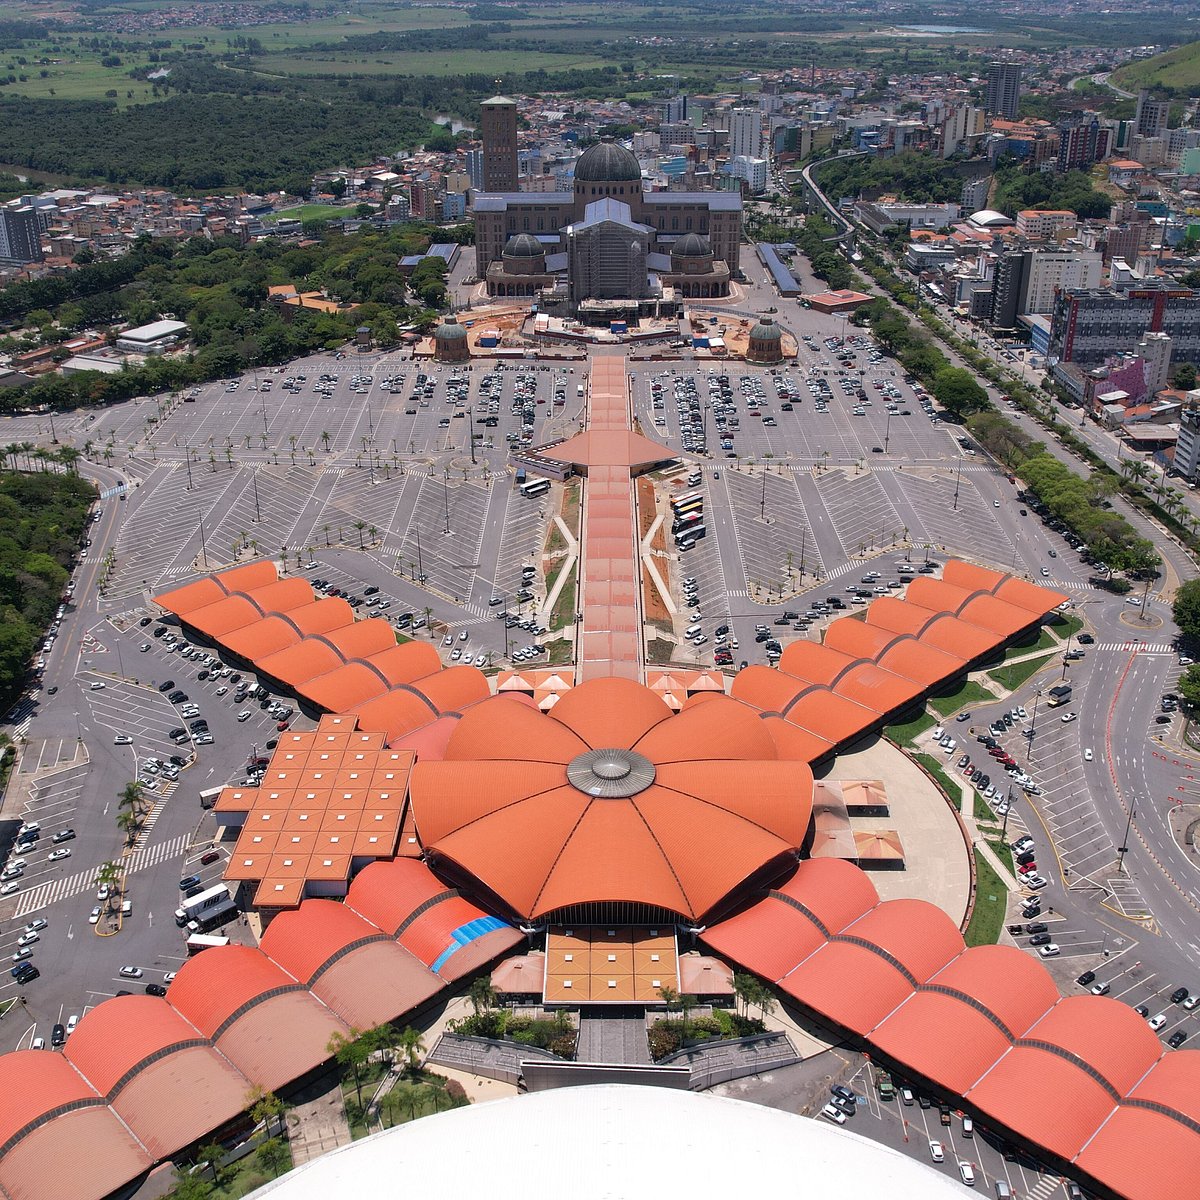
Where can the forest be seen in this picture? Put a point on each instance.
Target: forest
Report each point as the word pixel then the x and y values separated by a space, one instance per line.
pixel 42 517
pixel 220 290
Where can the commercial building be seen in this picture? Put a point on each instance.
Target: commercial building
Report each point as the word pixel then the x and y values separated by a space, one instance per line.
pixel 974 195
pixel 1004 89
pixel 1187 448
pixel 499 133
pixel 754 172
pixel 1039 224
pixel 154 338
pixel 1089 326
pixel 20 234
pixel 884 215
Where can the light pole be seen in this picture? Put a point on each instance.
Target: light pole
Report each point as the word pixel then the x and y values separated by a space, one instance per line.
pixel 957 482
pixel 1033 724
pixel 446 496
pixel 471 430
pixel 203 546
pixel 762 508
pixel 1124 846
pixel 887 433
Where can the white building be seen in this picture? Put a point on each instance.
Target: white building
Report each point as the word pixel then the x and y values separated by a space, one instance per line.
pixel 755 171
pixel 154 338
pixel 1155 351
pixel 1187 449
pixel 1053 270
pixel 745 133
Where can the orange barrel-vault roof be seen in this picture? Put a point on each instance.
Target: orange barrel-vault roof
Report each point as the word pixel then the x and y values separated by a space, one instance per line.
pixel 878 689
pixel 322 616
pixel 771 936
pixel 1003 619
pixel 266 1023
pixel 406 662
pixel 388 893
pixel 1038 600
pixel 971 576
pixel 344 688
pixel 226 615
pixel 249 575
pixel 349 963
pixel 445 927
pixel 282 595
pixel 199 594
pixel 1143 1154
pixel 428 742
pixel 793 743
pixel 1103 1033
pixel 923 664
pixel 836 893
pixel 900 616
pixel 959 638
pixel 820 983
pixel 941 1037
pixel 939 595
pixel 768 690
pixel 1024 1092
pixel 268 636
pixel 454 689
pixel 362 638
pixel 139 1051
pixel 917 934
pixel 300 663
pixel 1015 988
pixel 57 1136
pixel 856 639
pixel 830 716
pixel 1172 1082
pixel 395 713
pixel 815 662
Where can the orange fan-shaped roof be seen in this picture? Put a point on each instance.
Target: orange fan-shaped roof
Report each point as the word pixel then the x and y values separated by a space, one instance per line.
pixel 674 811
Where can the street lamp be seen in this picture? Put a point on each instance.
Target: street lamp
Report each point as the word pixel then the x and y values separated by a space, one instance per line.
pixel 957 483
pixel 887 432
pixel 254 481
pixel 1124 846
pixel 446 496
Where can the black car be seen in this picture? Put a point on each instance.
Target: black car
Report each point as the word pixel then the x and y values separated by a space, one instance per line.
pixel 58 1035
pixel 159 630
pixel 1085 639
pixel 1177 1039
pixel 177 732
pixel 844 1093
pixel 166 685
pixel 1179 995
pixel 199 725
pixel 178 697
pixel 1037 927
pixel 177 760
pixel 1040 939
pixel 370 591
pixel 1086 978
pixel 1028 857
pixel 144 622
pixel 155 989
pixel 188 881
pixel 25 973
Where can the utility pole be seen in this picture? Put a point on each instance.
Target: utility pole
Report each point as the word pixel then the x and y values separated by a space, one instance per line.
pixel 1124 846
pixel 957 482
pixel 762 508
pixel 471 430
pixel 203 546
pixel 446 496
pixel 254 481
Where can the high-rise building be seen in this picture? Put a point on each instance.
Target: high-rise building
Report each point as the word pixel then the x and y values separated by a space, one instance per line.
pixel 1187 450
pixel 1150 118
pixel 1004 89
pixel 1028 281
pixel 962 126
pixel 20 234
pixel 499 145
pixel 975 193
pixel 1089 326
pixel 1155 352
pixel 675 110
pixel 475 168
pixel 745 133
pixel 1082 140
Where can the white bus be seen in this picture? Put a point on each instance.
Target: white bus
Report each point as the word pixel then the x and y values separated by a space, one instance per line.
pixel 205 941
pixel 535 487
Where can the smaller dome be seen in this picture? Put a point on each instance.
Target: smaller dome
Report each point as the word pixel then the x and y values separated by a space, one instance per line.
pixel 765 330
pixel 691 245
pixel 987 217
pixel 523 245
pixel 449 331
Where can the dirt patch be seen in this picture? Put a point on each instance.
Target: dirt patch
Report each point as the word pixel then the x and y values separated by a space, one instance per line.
pixel 647 508
pixel 570 508
pixel 653 609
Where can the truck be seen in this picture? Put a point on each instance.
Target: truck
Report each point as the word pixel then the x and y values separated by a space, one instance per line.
pixel 194 906
pixel 1060 694
pixel 884 1085
pixel 204 941
pixel 208 797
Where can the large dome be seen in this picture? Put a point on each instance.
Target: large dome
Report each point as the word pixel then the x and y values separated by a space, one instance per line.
pixel 765 330
pixel 450 331
pixel 692 245
pixel 523 245
pixel 718 1143
pixel 606 162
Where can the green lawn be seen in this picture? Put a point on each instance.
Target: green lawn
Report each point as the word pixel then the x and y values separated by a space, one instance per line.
pixel 564 607
pixel 1011 677
pixel 1003 853
pixel 908 732
pixel 1067 626
pixel 983 810
pixel 969 692
pixel 1178 68
pixel 1045 641
pixel 312 212
pixel 426 62
pixel 561 652
pixel 991 902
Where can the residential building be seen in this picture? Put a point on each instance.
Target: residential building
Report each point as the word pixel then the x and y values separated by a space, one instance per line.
pixel 474 158
pixel 675 111
pixel 454 206
pixel 20 234
pixel 1151 116
pixel 754 171
pixel 1155 352
pixel 1090 326
pixel 1047 272
pixel 1124 171
pixel 1082 140
pixel 499 131
pixel 1004 89
pixel 745 133
pixel 962 127
pixel 1187 449
pixel 676 133
pixel 1039 224
pixel 975 194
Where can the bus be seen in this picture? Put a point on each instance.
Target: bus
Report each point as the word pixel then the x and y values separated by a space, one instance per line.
pixel 692 533
pixel 691 506
pixel 686 498
pixel 685 522
pixel 214 918
pixel 535 487
pixel 204 941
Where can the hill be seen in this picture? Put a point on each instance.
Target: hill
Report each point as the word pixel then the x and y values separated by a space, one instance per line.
pixel 1177 69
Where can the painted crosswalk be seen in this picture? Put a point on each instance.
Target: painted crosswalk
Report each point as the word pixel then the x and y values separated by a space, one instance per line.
pixel 1138 647
pixel 55 890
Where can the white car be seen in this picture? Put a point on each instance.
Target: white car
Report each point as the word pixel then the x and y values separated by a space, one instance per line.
pixel 221 690
pixel 245 715
pixel 122 739
pixel 1158 1021
pixel 1050 950
pixel 94 915
pixel 967 1172
pixel 130 972
pixel 1088 756
pixel 448 640
pixel 7 889
pixel 1067 718
pixel 102 892
pixel 71 1023
pixel 831 1112
pixel 27 939
pixel 937 1152
pixel 55 855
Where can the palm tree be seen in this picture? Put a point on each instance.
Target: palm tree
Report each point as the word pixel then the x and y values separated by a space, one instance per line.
pixel 325 439
pixel 360 526
pixel 482 994
pixel 108 454
pixel 326 535
pixel 373 533
pixel 293 439
pixel 413 1045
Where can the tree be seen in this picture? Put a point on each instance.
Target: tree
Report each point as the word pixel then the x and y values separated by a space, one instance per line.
pixel 273 1156
pixel 263 1106
pixel 1189 688
pixel 482 994
pixel 956 390
pixel 413 1046
pixel 189 1186
pixel 350 1052
pixel 1186 610
pixel 1185 377
pixel 210 1156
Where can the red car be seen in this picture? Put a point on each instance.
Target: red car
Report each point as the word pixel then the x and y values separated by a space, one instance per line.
pixel 1029 868
pixel 281 725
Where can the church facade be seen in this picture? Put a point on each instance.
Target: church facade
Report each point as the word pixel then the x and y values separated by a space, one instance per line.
pixel 609 239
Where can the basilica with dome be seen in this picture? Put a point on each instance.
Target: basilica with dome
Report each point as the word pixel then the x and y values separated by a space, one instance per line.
pixel 609 246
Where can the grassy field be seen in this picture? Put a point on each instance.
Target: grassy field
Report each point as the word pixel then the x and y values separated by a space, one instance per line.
pixel 1178 68
pixel 426 62
pixel 909 731
pixel 1066 627
pixel 1010 678
pixel 969 692
pixel 991 901
pixel 312 212
pixel 564 608
pixel 70 73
